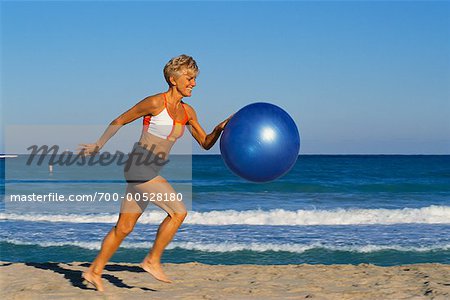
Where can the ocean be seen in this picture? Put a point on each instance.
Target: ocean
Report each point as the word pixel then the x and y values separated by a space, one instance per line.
pixel 329 209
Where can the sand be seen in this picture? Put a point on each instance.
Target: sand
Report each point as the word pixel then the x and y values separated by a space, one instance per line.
pixel 199 281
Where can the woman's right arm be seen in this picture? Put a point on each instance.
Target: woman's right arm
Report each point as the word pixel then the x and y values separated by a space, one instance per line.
pixel 144 107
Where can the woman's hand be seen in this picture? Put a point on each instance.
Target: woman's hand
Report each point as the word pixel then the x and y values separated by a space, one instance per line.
pixel 89 149
pixel 224 123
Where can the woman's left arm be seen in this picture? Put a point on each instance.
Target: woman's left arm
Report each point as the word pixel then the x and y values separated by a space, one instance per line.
pixel 206 141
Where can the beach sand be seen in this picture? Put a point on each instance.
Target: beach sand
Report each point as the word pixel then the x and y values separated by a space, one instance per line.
pixel 199 281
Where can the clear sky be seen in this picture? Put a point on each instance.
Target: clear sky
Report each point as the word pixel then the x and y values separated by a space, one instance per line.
pixel 357 77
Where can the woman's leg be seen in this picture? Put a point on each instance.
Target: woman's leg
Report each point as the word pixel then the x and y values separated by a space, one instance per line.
pixel 130 213
pixel 176 214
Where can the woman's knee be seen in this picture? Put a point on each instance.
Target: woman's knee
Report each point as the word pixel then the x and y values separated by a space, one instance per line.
pixel 179 216
pixel 124 228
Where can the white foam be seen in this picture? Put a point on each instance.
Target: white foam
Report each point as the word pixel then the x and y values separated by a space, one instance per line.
pixel 426 215
pixel 298 248
pixel 8 156
pixel 257 247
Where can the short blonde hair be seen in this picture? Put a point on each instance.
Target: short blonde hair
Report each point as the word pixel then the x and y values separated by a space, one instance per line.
pixel 176 65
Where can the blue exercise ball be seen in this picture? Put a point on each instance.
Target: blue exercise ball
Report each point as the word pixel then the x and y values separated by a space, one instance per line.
pixel 260 142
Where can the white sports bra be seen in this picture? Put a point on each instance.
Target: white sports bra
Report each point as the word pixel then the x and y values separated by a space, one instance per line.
pixel 163 125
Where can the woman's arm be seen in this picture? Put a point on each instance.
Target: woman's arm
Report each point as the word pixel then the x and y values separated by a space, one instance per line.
pixel 144 107
pixel 206 141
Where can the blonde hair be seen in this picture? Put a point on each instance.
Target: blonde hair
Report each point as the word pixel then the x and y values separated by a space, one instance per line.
pixel 177 65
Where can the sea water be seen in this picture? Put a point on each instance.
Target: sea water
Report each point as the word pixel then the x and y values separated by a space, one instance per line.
pixel 343 209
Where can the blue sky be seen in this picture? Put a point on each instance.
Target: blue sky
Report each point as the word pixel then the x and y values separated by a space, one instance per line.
pixel 357 77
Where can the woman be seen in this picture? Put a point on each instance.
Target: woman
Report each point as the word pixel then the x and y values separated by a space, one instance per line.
pixel 165 116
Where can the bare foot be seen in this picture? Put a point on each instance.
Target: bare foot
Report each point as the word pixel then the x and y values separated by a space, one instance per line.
pixel 155 270
pixel 95 280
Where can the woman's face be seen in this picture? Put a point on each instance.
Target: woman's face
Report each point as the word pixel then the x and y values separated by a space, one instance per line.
pixel 185 82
